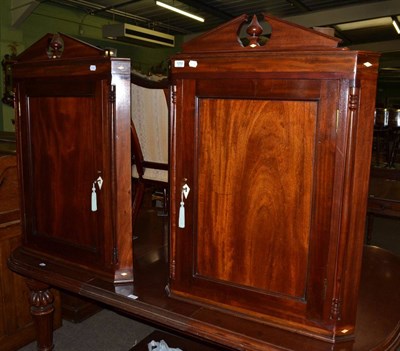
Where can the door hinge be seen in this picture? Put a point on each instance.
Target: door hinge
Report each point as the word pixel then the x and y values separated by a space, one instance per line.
pixel 353 98
pixel 112 94
pixel 336 309
pixel 172 269
pixel 173 94
pixel 115 255
pixel 337 119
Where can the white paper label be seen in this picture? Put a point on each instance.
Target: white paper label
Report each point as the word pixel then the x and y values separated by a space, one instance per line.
pixel 179 63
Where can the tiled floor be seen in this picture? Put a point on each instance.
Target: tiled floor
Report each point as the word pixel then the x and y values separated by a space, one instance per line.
pixel 105 331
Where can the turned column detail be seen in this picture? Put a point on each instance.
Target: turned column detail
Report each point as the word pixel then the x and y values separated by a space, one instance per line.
pixel 42 310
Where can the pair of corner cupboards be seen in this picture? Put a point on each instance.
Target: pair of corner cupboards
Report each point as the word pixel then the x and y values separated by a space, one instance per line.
pixel 269 165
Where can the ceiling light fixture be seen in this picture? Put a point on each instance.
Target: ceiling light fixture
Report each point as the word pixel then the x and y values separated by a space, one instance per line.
pixel 172 8
pixel 396 24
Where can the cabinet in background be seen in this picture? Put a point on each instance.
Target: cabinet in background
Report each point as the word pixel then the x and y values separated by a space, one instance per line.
pixel 270 158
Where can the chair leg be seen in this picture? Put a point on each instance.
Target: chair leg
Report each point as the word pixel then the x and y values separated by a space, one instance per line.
pixel 137 200
pixel 370 226
pixel 165 204
pixel 164 199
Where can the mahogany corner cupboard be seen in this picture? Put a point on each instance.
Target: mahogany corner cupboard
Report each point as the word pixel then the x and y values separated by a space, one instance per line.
pixel 270 158
pixel 73 141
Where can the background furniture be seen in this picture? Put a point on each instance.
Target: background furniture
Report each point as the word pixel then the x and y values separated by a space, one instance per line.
pixel 386 140
pixel 150 125
pixel 75 308
pixel 150 117
pixel 272 132
pixel 16 325
pixel 384 196
pixel 7 143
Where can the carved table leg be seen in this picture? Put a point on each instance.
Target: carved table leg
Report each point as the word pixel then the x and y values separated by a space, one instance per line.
pixel 42 311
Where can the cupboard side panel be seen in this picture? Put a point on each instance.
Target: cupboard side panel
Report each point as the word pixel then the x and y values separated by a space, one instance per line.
pixel 361 110
pixel 121 166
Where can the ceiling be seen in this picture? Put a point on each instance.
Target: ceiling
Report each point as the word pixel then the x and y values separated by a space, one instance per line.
pixel 310 13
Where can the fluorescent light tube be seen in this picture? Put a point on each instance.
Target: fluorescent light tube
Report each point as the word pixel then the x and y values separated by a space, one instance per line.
pixel 396 24
pixel 188 14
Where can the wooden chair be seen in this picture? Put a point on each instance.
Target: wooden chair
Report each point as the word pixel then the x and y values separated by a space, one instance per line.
pixel 137 182
pixel 149 130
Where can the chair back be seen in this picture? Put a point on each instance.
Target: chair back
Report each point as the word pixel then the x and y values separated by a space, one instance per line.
pixel 150 120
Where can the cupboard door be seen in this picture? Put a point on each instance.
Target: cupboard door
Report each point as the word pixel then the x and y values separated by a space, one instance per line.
pixel 259 162
pixel 254 170
pixel 66 150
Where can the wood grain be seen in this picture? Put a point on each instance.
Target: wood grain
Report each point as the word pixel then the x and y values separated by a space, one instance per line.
pixel 254 203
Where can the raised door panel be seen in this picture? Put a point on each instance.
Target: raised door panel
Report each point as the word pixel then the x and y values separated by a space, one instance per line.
pixel 260 165
pixel 255 176
pixel 62 147
pixel 64 154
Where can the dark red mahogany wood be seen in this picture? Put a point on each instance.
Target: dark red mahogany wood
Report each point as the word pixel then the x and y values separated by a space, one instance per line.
pixel 73 126
pixel 294 113
pixel 274 141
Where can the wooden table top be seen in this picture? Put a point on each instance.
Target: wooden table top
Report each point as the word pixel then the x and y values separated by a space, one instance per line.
pixel 7 143
pixel 378 317
pixel 386 189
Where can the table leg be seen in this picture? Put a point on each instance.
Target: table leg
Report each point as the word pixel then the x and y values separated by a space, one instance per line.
pixel 370 226
pixel 42 310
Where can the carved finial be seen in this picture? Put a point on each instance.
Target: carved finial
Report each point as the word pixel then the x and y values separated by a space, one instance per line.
pixel 254 30
pixel 56 46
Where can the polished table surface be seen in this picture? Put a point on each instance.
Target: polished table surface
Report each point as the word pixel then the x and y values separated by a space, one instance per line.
pixel 384 197
pixel 7 143
pixel 378 317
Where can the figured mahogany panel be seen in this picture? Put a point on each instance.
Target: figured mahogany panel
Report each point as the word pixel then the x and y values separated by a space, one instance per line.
pixel 64 155
pixel 63 151
pixel 255 169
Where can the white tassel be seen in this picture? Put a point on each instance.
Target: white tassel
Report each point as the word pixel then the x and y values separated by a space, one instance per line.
pixel 182 215
pixel 94 198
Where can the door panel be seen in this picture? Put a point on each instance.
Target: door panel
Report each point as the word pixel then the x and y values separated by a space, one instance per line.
pixel 63 145
pixel 255 175
pixel 64 156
